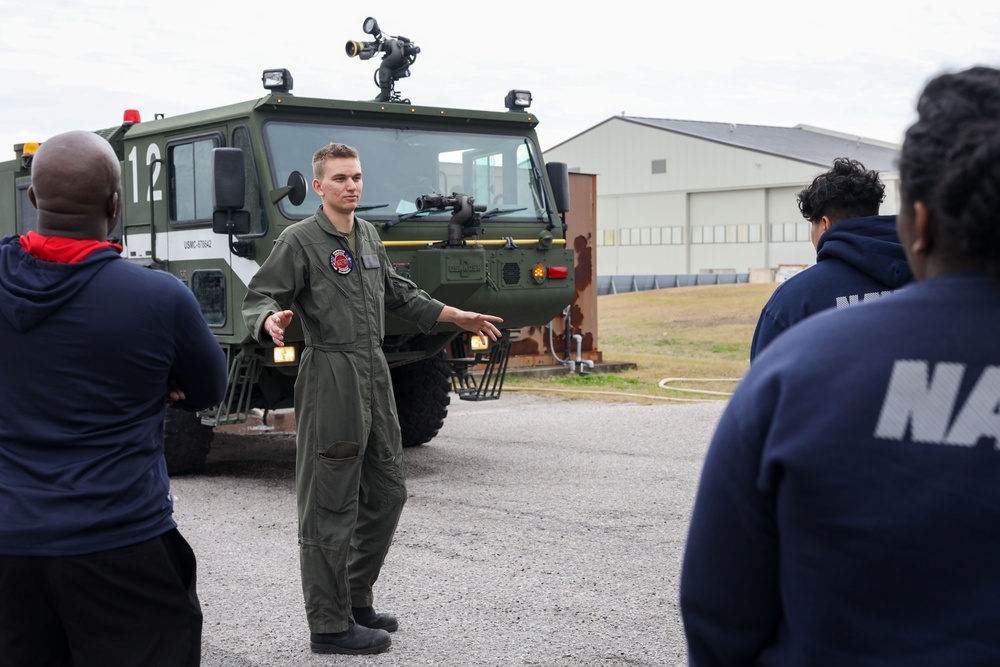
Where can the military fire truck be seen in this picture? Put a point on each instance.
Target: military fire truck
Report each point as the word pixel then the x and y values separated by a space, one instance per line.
pixel 462 199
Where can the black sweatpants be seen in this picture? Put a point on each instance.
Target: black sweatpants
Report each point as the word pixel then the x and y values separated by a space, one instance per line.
pixel 130 607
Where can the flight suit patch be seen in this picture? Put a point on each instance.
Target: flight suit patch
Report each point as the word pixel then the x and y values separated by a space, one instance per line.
pixel 370 261
pixel 341 261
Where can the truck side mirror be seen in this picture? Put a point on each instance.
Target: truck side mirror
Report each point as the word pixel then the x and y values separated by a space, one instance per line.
pixel 228 180
pixel 228 198
pixel 231 222
pixel 559 178
pixel 297 182
pixel 295 190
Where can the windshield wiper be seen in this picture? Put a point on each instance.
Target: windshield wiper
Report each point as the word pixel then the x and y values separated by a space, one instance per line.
pixel 503 211
pixel 533 185
pixel 370 207
pixel 407 216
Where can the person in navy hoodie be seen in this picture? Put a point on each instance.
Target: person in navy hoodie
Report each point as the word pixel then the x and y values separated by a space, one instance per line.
pixel 858 256
pixel 849 504
pixel 92 568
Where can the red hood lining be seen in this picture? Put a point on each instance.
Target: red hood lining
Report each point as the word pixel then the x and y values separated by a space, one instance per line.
pixel 61 249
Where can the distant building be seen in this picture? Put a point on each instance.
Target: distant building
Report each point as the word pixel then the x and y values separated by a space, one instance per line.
pixel 686 197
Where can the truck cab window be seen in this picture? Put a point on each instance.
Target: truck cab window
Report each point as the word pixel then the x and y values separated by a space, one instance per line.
pixel 190 168
pixel 401 164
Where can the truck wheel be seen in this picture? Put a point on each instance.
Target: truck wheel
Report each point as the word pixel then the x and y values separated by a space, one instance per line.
pixel 186 441
pixel 422 391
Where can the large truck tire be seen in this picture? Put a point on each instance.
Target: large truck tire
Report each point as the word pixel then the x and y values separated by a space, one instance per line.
pixel 422 391
pixel 186 441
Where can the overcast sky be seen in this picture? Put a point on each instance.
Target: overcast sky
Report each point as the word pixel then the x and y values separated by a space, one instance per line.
pixel 849 66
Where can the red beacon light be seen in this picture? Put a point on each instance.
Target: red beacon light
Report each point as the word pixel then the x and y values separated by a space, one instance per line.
pixel 131 117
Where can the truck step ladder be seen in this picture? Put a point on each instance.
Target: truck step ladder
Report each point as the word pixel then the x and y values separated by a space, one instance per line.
pixel 490 383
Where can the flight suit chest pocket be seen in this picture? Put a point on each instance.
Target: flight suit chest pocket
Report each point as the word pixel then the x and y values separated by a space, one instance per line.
pixel 335 299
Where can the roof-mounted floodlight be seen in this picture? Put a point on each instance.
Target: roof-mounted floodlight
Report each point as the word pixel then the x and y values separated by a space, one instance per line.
pixel 277 80
pixel 518 100
pixel 370 26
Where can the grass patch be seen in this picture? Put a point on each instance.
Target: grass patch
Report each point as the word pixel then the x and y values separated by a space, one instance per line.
pixel 701 333
pixel 623 381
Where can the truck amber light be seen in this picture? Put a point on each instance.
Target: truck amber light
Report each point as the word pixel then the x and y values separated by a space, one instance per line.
pixel 284 355
pixel 538 273
pixel 476 344
pixel 557 272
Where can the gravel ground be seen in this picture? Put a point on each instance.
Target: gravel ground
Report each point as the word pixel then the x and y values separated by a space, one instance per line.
pixel 538 531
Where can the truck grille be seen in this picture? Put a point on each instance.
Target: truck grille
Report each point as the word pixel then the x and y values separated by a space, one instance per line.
pixel 511 273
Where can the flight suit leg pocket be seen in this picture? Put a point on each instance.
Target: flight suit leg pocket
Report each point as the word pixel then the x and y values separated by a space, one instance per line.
pixel 338 475
pixel 391 479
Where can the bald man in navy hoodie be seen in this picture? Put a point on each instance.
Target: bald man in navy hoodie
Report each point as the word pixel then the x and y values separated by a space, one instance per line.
pixel 92 568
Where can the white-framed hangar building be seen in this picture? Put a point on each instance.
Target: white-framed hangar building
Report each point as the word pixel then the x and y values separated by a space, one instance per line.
pixel 693 197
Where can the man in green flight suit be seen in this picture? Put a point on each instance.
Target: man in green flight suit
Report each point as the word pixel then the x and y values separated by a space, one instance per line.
pixel 349 466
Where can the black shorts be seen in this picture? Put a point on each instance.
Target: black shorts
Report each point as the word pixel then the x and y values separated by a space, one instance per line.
pixel 133 606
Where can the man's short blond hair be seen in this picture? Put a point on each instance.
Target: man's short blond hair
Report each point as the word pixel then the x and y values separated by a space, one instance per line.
pixel 331 150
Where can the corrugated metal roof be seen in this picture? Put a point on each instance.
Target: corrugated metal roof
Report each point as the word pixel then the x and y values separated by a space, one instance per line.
pixel 803 143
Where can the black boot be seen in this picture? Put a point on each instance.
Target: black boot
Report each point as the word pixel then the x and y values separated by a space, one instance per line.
pixel 367 617
pixel 356 640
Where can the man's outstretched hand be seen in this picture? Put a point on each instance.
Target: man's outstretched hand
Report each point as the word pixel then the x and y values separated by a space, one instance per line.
pixel 477 323
pixel 275 325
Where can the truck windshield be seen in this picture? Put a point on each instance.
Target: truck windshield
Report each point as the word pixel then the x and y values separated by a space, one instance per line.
pixel 400 165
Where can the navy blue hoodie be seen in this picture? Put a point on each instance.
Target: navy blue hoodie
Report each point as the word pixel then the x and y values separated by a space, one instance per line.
pixel 849 506
pixel 856 260
pixel 89 348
